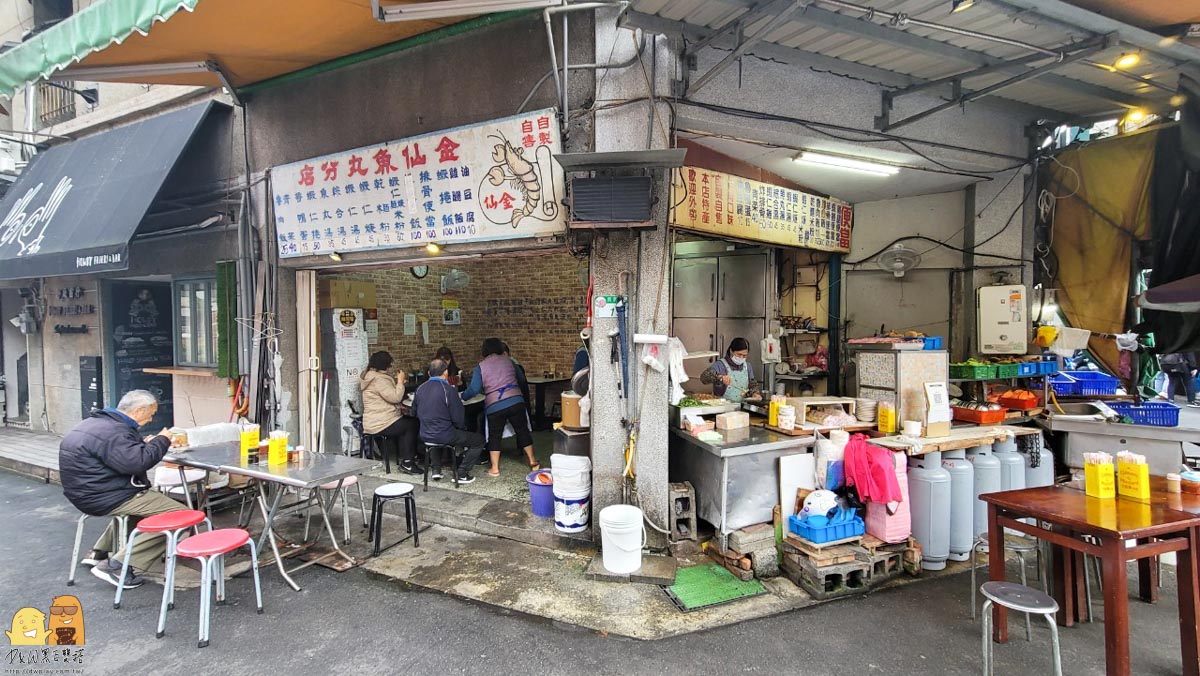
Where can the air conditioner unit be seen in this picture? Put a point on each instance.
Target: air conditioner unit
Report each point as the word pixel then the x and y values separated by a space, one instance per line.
pixel 612 202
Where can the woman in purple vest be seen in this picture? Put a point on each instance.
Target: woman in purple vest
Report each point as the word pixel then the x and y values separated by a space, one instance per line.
pixel 496 377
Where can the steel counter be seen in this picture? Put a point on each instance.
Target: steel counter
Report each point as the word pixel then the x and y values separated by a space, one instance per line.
pixel 737 479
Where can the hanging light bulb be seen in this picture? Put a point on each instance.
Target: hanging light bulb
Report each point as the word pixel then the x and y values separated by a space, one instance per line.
pixel 335 257
pixel 1134 116
pixel 1127 60
pixel 432 248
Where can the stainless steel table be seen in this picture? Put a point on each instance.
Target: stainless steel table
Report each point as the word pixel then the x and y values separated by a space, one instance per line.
pixel 313 470
pixel 737 478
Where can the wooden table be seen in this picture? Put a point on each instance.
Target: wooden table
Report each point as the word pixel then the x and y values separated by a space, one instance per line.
pixel 960 438
pixel 1167 523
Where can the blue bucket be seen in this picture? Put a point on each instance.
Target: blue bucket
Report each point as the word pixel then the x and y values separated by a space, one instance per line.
pixel 541 496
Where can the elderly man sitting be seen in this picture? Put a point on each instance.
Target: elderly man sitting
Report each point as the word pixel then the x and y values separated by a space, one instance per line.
pixel 103 462
pixel 440 411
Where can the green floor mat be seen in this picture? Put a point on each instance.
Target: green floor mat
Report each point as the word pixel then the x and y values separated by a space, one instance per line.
pixel 709 585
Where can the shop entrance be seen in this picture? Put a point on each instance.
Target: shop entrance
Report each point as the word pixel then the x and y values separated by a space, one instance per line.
pixel 535 303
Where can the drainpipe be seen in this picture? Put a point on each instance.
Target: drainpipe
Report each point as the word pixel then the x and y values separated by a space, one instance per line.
pixel 560 80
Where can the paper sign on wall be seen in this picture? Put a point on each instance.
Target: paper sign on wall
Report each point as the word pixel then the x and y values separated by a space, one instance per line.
pixel 605 306
pixel 371 325
pixel 451 313
pixel 410 325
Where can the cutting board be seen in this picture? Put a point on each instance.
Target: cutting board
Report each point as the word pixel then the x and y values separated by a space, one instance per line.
pixel 795 472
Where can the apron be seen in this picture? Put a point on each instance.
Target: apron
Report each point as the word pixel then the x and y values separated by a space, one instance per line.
pixel 736 390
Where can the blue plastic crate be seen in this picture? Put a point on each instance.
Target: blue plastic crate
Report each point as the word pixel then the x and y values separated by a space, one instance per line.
pixel 1064 385
pixel 1027 368
pixel 933 342
pixel 1047 368
pixel 1093 383
pixel 820 534
pixel 1153 413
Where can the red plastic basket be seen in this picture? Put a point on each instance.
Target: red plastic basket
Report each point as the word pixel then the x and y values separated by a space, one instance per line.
pixel 979 417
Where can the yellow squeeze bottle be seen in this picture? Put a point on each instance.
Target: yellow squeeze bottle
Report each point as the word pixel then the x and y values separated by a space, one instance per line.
pixel 887 418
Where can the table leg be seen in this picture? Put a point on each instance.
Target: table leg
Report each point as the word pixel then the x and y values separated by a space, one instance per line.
pixel 1189 603
pixel 268 533
pixel 325 510
pixel 1082 607
pixel 1062 570
pixel 187 494
pixel 1116 607
pixel 539 412
pixel 1148 576
pixel 996 573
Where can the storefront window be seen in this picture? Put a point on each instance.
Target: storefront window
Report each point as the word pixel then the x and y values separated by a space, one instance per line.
pixel 196 322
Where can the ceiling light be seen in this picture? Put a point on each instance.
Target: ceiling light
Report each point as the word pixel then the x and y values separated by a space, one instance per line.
pixel 432 248
pixel 1178 100
pixel 1128 60
pixel 1135 116
pixel 453 8
pixel 960 5
pixel 847 163
pixel 335 257
pixel 104 73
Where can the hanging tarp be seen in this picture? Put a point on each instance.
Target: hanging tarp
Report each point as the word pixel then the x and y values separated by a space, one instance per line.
pixel 1105 205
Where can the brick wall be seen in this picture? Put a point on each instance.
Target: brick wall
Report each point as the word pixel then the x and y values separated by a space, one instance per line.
pixel 535 303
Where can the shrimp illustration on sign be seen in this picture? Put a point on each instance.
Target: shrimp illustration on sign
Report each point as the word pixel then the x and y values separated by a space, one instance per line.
pixel 525 177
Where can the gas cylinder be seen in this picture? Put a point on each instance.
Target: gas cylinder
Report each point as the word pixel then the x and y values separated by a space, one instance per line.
pixel 962 512
pixel 987 480
pixel 892 522
pixel 929 498
pixel 1012 474
pixel 1039 462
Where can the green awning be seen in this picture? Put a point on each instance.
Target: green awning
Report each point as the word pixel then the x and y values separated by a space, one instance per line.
pixel 96 27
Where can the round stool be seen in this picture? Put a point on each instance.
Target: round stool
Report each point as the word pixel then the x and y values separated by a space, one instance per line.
pixel 210 549
pixel 1022 599
pixel 440 450
pixel 121 523
pixel 383 495
pixel 343 492
pixel 378 445
pixel 1021 547
pixel 171 525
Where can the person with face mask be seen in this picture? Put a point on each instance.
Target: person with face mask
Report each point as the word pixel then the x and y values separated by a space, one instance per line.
pixel 731 377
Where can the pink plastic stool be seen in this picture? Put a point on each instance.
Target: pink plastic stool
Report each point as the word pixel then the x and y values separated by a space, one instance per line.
pixel 210 549
pixel 171 525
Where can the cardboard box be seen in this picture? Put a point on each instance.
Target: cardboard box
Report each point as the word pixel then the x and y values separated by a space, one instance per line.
pixel 733 420
pixel 344 293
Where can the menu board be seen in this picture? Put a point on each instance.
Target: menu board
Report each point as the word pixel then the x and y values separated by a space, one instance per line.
pixel 490 181
pixel 732 206
pixel 140 314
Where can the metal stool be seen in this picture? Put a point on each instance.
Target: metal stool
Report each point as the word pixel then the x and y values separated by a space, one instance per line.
pixel 440 448
pixel 383 495
pixel 210 549
pixel 171 525
pixel 122 528
pixel 343 493
pixel 1022 599
pixel 1021 547
pixel 377 442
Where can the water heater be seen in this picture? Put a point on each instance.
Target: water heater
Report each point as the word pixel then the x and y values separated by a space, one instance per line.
pixel 1003 319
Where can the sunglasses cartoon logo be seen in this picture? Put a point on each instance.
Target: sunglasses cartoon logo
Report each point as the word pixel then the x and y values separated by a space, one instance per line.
pixel 65 628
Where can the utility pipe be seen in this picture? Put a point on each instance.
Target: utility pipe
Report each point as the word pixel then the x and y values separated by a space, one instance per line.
pixel 560 80
pixel 588 66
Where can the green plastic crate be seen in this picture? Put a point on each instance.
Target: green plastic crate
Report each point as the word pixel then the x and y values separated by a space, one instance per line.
pixel 972 371
pixel 1008 370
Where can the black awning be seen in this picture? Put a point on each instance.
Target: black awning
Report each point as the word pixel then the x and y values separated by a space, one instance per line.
pixel 76 206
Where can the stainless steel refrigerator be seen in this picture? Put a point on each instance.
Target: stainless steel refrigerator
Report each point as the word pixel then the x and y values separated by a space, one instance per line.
pixel 720 292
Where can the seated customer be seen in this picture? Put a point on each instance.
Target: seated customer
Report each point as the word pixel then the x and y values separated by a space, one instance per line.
pixel 382 396
pixel 504 404
pixel 103 461
pixel 453 374
pixel 442 417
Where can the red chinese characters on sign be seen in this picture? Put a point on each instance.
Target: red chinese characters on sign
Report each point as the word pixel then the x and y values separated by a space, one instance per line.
pixel 446 150
pixel 505 201
pixel 413 156
pixel 383 161
pixel 330 169
pixel 306 175
pixel 527 138
pixel 356 167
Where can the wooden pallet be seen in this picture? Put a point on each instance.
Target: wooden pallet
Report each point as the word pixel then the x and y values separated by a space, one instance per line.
pixel 814 547
pixel 826 557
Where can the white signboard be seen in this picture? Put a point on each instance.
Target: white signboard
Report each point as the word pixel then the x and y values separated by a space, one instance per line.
pixel 492 181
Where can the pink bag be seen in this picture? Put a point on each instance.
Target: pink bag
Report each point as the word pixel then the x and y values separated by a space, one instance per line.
pixel 896 525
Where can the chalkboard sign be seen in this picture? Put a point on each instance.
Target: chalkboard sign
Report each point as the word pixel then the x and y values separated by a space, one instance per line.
pixel 140 314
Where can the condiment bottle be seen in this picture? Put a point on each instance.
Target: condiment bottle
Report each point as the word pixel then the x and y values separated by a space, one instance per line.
pixel 1174 483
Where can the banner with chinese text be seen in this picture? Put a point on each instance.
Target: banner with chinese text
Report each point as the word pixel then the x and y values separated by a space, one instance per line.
pixel 732 206
pixel 491 181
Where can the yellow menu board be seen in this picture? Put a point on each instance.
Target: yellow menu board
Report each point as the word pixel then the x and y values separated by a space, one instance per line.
pixel 732 206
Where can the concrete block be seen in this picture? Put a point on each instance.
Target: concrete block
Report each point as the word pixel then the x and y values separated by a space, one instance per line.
pixel 829 581
pixel 751 538
pixel 765 563
pixel 658 570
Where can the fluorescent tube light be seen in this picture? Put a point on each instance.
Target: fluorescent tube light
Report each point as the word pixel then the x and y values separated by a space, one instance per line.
pixel 847 163
pixel 103 73
pixel 419 11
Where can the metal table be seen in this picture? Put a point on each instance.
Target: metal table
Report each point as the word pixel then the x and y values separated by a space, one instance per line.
pixel 736 479
pixel 313 470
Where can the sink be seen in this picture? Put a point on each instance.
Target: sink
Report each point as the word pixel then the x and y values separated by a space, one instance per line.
pixel 1074 409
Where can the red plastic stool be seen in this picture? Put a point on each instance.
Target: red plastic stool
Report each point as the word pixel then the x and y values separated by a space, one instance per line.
pixel 171 525
pixel 210 549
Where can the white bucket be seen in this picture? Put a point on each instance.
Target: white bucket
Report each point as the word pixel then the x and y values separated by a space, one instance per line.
pixel 572 509
pixel 571 472
pixel 622 536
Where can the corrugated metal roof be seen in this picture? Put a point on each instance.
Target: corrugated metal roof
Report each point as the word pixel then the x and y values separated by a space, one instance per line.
pixel 1076 88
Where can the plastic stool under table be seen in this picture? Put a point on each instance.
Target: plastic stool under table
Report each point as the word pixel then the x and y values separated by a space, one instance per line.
pixel 1022 599
pixel 210 549
pixel 171 525
pixel 383 495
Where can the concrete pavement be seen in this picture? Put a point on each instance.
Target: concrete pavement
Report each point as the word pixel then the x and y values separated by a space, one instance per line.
pixel 356 623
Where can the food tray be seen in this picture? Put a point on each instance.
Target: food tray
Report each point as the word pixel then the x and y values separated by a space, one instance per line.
pixel 1153 413
pixel 960 371
pixel 838 531
pixel 1015 404
pixel 979 417
pixel 1093 383
pixel 1008 370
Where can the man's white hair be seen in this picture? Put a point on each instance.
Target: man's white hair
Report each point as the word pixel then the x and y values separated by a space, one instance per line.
pixel 135 399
